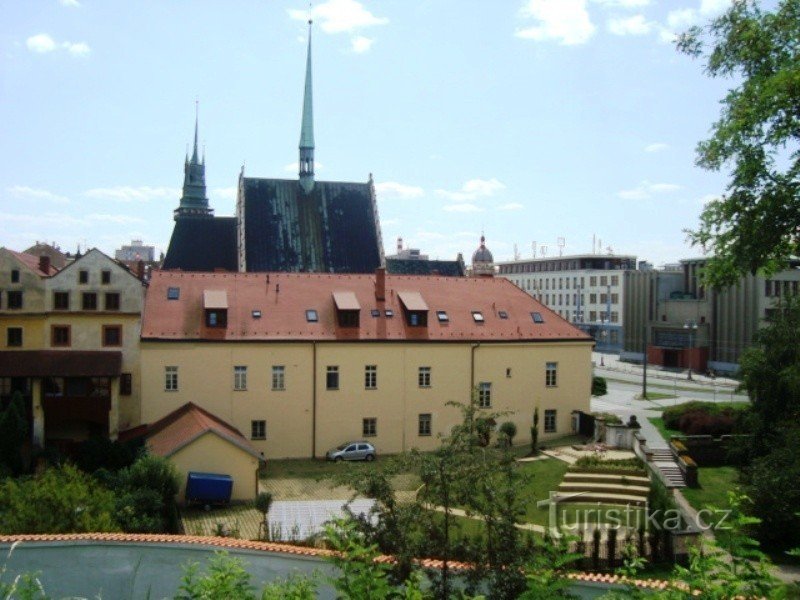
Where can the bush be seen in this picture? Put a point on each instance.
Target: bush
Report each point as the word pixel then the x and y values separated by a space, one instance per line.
pixel 599 386
pixel 101 453
pixel 13 433
pixel 609 418
pixel 508 430
pixel 596 462
pixel 60 500
pixel 705 418
pixel 146 491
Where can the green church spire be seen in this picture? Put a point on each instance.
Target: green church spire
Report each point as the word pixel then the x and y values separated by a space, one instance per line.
pixel 306 163
pixel 193 201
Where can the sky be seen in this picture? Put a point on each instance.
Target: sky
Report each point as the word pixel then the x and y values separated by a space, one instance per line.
pixel 527 120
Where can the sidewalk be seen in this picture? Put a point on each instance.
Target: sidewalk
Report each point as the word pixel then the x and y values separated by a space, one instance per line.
pixel 612 364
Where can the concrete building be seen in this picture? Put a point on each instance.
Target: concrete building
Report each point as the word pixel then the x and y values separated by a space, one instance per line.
pixel 303 362
pixel 135 252
pixel 71 345
pixel 410 261
pixel 691 327
pixel 585 289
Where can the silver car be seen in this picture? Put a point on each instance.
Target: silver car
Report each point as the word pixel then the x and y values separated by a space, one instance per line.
pixel 352 451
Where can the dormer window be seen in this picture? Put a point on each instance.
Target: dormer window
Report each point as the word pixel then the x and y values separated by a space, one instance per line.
pixel 215 304
pixel 414 308
pixel 348 310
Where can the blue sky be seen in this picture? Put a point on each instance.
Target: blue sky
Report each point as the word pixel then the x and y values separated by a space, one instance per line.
pixel 528 120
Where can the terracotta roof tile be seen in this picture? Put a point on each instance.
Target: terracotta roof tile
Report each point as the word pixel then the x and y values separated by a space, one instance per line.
pixel 32 262
pixel 283 298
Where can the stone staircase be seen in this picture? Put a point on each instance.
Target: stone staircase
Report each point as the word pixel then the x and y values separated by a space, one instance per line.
pixel 664 462
pixel 606 488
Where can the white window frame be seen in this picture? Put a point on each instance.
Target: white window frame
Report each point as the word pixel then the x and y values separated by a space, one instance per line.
pixel 425 425
pixel 369 426
pixel 550 420
pixel 278 378
pixel 171 379
pixel 485 394
pixel 240 378
pixel 424 377
pixel 370 377
pixel 551 374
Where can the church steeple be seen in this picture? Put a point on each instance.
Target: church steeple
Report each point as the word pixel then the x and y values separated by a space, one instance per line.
pixel 306 163
pixel 194 202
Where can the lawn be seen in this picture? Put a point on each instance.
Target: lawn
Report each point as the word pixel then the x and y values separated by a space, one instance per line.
pixel 715 483
pixel 662 429
pixel 545 476
pixel 659 396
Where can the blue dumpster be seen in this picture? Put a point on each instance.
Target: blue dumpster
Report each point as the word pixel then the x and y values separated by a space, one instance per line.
pixel 208 488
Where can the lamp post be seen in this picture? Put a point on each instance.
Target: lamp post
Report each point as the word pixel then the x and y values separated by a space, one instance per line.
pixel 644 366
pixel 691 326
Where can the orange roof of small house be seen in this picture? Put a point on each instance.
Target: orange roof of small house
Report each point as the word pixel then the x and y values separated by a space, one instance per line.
pixel 273 306
pixel 187 423
pixel 33 263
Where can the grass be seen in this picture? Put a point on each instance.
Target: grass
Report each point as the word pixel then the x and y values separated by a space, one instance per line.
pixel 545 476
pixel 715 482
pixel 683 388
pixel 311 468
pixel 662 429
pixel 659 396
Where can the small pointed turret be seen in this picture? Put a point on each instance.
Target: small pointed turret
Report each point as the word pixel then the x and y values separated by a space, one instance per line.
pixel 194 202
pixel 306 163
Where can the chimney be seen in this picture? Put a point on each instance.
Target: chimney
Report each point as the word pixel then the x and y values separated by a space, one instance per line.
pixel 44 264
pixel 380 284
pixel 140 270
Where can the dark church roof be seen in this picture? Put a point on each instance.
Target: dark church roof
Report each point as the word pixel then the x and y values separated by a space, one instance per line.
pixel 331 229
pixel 407 266
pixel 202 244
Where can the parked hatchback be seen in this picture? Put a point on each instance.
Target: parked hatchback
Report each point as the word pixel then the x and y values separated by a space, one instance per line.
pixel 352 451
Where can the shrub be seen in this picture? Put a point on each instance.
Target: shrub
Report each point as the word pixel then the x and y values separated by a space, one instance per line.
pixel 508 430
pixel 610 419
pixel 158 477
pixel 705 418
pixel 599 386
pixel 101 453
pixel 596 462
pixel 13 433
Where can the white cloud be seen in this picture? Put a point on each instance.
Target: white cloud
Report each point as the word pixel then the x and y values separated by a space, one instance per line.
pixel 29 193
pixel 656 147
pixel 564 21
pixel 623 3
pixel 393 189
pixel 474 188
pixel 77 49
pixel 635 25
pixel 646 190
pixel 226 193
pixel 70 3
pixel 134 194
pixel 464 207
pixel 714 7
pixel 704 200
pixel 295 167
pixel 681 18
pixel 40 43
pixel 339 16
pixel 361 44
pixel 115 218
pixel 511 206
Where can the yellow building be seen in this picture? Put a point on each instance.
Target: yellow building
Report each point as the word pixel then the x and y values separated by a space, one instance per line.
pixel 303 362
pixel 71 345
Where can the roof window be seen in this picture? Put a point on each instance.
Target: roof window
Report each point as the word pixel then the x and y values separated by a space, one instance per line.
pixel 173 293
pixel 375 312
pixel 256 314
pixel 312 316
pixel 442 316
pixel 537 317
pixel 477 316
pixel 389 313
pixel 502 314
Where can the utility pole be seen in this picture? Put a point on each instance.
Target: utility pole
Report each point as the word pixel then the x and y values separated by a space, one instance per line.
pixel 644 365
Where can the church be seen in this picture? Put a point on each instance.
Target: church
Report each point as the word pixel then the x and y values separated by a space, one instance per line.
pixel 286 225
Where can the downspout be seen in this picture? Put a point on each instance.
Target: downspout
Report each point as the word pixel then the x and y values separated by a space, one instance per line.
pixel 314 400
pixel 472 368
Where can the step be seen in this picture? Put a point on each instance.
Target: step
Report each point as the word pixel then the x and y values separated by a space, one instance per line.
pixel 575 476
pixel 600 497
pixel 632 490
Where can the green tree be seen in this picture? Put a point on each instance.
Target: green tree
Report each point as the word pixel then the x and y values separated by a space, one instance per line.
pixel 60 500
pixel 599 386
pixel 535 432
pixel 756 224
pixel 13 433
pixel 146 495
pixel 225 578
pixel 508 431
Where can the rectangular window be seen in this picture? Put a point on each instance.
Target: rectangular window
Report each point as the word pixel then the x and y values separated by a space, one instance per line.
pixel 425 422
pixel 89 301
pixel 173 293
pixel 442 316
pixel 125 384
pixel 217 318
pixel 112 301
pixel 484 394
pixel 14 275
pixel 278 378
pixel 371 377
pixel 603 280
pixel 112 335
pixel 615 280
pixel 105 277
pixel 332 378
pixel 389 313
pixel 239 378
pixel 171 379
pixel 550 421
pixel 83 276
pixel 60 335
pixel 614 317
pixel 14 336
pixel 614 298
pixel 424 377
pixel 258 429
pixel 592 315
pixel 502 314
pixel 592 281
pixel 477 316
pixel 537 317
pixel 375 312
pixel 551 374
pixel 369 427
pixel 15 300
pixel 61 300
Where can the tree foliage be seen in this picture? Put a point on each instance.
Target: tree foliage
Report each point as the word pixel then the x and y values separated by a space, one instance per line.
pixel 756 225
pixel 13 433
pixel 146 495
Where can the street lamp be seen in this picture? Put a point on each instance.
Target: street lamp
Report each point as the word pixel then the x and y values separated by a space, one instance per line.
pixel 691 326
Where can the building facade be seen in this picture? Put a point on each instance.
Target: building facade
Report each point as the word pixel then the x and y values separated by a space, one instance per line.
pixel 72 346
pixel 585 289
pixel 689 326
pixel 304 362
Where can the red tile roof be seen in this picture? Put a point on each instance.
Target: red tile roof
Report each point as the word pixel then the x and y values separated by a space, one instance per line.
pixel 32 262
pixel 237 544
pixel 283 298
pixel 185 424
